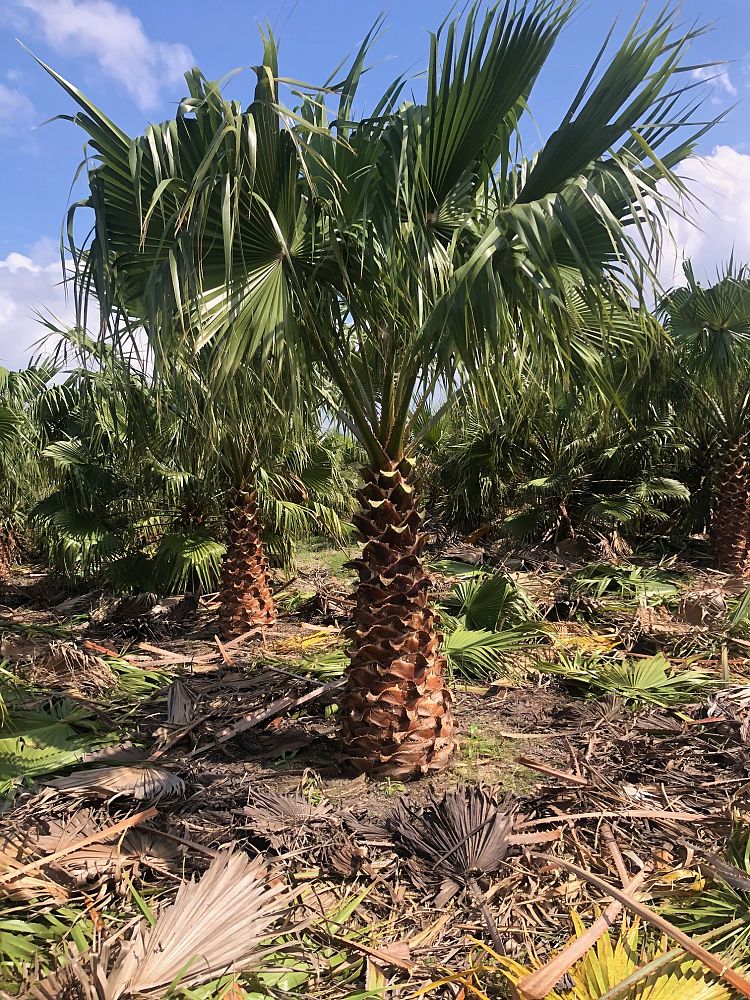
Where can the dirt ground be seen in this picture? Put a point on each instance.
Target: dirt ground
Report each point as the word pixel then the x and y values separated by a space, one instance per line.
pixel 221 725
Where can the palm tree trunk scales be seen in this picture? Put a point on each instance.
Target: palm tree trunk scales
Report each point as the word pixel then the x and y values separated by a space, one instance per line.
pixel 396 711
pixel 7 552
pixel 245 595
pixel 731 516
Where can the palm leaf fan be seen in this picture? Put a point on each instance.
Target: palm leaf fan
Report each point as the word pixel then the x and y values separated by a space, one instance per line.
pixel 141 781
pixel 454 841
pixel 214 926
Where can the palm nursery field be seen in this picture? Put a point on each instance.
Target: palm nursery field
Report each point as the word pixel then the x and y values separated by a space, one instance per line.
pixel 375 547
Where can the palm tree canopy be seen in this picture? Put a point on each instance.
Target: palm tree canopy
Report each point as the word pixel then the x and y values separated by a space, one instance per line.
pixel 402 249
pixel 711 330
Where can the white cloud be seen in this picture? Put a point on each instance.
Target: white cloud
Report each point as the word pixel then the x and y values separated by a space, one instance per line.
pixel 718 80
pixel 29 283
pixel 115 37
pixel 718 218
pixel 16 110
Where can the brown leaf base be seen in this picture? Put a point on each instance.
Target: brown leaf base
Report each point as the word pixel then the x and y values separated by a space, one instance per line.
pixel 396 711
pixel 8 549
pixel 245 595
pixel 731 517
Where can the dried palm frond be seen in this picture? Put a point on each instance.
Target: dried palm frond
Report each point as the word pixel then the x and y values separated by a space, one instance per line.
pixel 134 848
pixel 290 822
pixel 62 665
pixel 180 703
pixel 283 819
pixel 132 606
pixel 453 841
pixel 214 926
pixel 733 706
pixel 70 983
pixel 703 607
pixel 140 781
pixel 15 852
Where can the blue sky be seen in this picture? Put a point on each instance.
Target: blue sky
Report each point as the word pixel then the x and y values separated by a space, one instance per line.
pixel 129 57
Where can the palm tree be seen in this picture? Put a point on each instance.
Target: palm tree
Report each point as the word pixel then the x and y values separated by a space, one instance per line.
pixel 249 448
pixel 141 483
pixel 399 253
pixel 711 329
pixel 20 475
pixel 564 464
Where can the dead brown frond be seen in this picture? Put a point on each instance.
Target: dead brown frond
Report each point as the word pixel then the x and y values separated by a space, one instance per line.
pixel 180 703
pixel 454 841
pixel 703 607
pixel 130 851
pixel 131 606
pixel 214 926
pixel 70 983
pixel 283 819
pixel 63 666
pixel 732 706
pixel 291 822
pixel 15 852
pixel 139 781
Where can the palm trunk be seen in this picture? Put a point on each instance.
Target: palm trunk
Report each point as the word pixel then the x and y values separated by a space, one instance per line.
pixel 7 552
pixel 730 525
pixel 245 595
pixel 396 711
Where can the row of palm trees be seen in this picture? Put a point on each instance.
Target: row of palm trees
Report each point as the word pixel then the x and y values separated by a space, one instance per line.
pixel 130 486
pixel 665 455
pixel 386 267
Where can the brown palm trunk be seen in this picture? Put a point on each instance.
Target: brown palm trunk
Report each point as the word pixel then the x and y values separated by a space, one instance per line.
pixel 245 595
pixel 396 711
pixel 7 552
pixel 730 525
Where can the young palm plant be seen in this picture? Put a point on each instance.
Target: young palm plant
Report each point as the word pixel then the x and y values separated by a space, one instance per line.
pixel 711 328
pixel 270 470
pixel 399 253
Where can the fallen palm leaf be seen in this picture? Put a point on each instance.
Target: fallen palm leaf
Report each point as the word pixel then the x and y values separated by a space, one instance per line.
pixel 652 680
pixel 456 839
pixel 64 665
pixel 609 966
pixel 15 852
pixel 282 819
pixel 101 856
pixel 99 835
pixel 540 983
pixel 180 704
pixel 40 742
pixel 724 899
pixel 70 983
pixel 455 842
pixel 139 781
pixel 214 926
pixel 292 822
pixel 711 961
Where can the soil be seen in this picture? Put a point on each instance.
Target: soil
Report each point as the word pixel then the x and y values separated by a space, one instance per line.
pixel 670 782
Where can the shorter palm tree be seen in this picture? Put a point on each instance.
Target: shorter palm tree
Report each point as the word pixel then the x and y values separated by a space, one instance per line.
pixel 711 330
pixel 20 474
pixel 276 481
